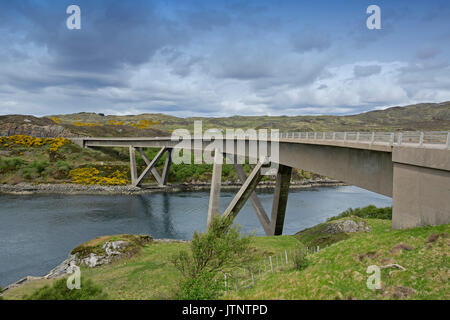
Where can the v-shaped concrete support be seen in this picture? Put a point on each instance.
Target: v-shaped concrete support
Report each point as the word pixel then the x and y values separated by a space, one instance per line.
pixel 273 226
pixel 161 180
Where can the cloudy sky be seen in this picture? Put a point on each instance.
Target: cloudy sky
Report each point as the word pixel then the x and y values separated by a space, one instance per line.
pixel 221 58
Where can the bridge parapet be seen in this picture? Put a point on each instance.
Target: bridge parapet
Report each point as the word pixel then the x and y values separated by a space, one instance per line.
pixel 440 139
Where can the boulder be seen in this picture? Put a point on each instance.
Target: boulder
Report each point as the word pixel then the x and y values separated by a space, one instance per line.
pixel 100 251
pixel 347 226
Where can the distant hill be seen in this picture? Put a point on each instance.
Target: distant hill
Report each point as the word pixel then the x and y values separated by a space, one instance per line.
pixel 419 117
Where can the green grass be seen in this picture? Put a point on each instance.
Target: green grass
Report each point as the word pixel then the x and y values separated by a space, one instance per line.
pixel 337 271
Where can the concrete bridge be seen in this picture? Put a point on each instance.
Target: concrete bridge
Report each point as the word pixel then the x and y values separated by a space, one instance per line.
pixel 411 167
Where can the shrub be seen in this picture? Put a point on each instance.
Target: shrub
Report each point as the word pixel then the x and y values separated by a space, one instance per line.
pixel 366 212
pixel 203 287
pixel 59 291
pixel 221 247
pixel 35 169
pixel 10 164
pixel 300 262
pixel 39 166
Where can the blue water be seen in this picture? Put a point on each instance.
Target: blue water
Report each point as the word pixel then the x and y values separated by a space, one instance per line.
pixel 38 231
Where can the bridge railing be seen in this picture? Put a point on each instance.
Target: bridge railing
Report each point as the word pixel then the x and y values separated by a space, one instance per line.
pixel 441 138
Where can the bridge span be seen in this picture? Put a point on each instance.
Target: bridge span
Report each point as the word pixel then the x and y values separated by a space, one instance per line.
pixel 411 167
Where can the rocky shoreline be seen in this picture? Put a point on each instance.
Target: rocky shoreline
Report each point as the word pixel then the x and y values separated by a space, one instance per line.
pixel 32 188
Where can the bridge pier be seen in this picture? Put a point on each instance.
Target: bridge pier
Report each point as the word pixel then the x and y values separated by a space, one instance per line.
pixel 216 181
pixel 273 226
pixel 133 169
pixel 161 180
pixel 280 199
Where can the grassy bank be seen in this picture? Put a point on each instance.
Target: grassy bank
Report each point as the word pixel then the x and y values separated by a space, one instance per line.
pixel 337 271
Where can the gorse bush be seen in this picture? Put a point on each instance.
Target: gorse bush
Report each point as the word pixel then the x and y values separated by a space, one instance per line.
pixel 59 291
pixel 366 212
pixel 221 247
pixel 300 262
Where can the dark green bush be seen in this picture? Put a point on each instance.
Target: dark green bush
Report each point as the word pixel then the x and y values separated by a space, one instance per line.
pixel 59 291
pixel 39 166
pixel 10 164
pixel 366 212
pixel 300 262
pixel 36 169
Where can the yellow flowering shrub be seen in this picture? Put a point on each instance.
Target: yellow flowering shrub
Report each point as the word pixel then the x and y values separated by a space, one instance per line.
pixel 55 119
pixel 91 176
pixel 113 122
pixel 28 141
pixel 86 124
pixel 144 124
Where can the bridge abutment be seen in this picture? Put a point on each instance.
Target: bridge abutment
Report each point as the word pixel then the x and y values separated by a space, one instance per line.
pixel 421 188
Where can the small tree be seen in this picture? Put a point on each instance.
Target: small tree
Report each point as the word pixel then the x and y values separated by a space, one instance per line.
pixel 221 247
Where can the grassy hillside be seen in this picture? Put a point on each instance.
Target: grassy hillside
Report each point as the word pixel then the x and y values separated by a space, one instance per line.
pixel 335 272
pixel 339 270
pixel 27 159
pixel 420 117
pixel 424 116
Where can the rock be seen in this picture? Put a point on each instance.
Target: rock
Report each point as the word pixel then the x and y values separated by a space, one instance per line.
pixel 400 292
pixel 433 238
pixel 93 256
pixel 63 268
pixel 347 226
pixel 400 247
pixel 32 126
pixel 368 255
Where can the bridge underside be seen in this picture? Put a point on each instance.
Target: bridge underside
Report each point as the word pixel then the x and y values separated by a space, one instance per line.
pixel 417 179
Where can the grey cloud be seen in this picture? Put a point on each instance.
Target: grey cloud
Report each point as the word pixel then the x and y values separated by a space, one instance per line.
pixel 366 71
pixel 113 34
pixel 426 53
pixel 311 40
